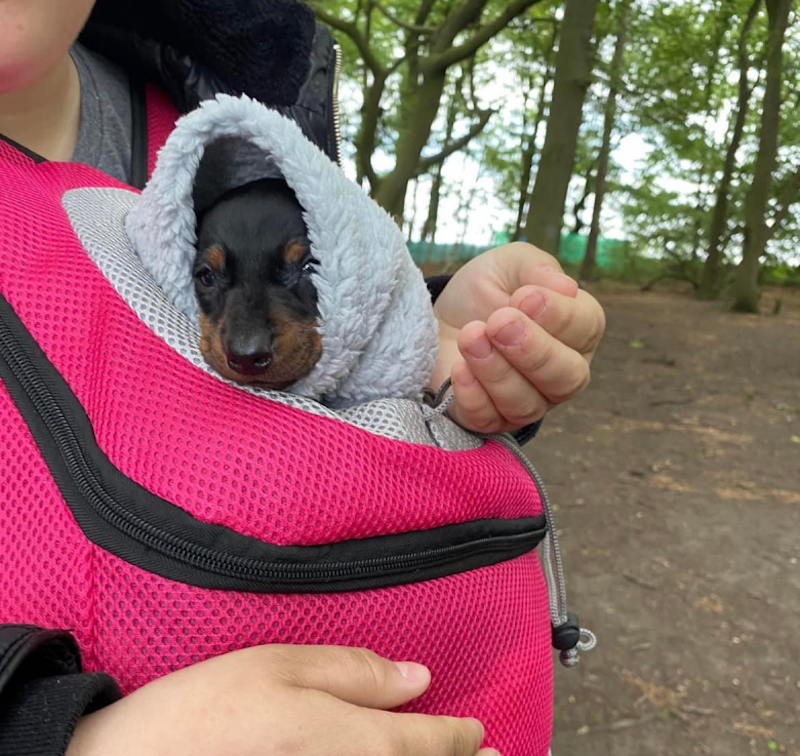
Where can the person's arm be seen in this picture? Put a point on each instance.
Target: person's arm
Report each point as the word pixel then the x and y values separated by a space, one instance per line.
pixel 43 692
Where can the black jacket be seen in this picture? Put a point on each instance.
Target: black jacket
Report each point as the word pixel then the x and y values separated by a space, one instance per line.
pixel 273 51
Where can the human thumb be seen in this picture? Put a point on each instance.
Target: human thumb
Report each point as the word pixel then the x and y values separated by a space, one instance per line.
pixel 354 675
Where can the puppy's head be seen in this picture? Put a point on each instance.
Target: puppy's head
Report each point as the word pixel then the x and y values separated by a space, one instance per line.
pixel 253 277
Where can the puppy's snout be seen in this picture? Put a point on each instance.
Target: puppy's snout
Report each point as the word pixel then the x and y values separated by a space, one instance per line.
pixel 250 355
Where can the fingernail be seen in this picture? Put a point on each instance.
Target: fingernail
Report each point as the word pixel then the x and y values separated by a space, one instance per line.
pixel 511 334
pixel 480 349
pixel 412 671
pixel 534 305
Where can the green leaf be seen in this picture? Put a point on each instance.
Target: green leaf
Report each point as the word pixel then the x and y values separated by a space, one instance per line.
pixel 636 345
pixel 772 745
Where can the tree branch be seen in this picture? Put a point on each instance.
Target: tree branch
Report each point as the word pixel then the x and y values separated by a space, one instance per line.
pixel 456 20
pixel 404 24
pixel 442 61
pixel 353 32
pixel 424 11
pixel 425 164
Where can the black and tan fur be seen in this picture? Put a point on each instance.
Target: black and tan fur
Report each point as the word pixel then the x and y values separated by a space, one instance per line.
pixel 253 277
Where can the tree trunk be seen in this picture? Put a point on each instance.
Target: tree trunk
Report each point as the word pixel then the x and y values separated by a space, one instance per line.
pixel 429 227
pixel 530 148
pixel 588 267
pixel 745 290
pixel 366 138
pixel 420 112
pixel 465 206
pixel 726 11
pixel 580 205
pixel 710 284
pixel 412 221
pixel 572 78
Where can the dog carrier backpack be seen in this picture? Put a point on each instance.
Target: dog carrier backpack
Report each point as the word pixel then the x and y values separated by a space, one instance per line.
pixel 164 516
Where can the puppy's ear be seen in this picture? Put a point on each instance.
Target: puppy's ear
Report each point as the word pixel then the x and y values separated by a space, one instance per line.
pixel 214 257
pixel 296 250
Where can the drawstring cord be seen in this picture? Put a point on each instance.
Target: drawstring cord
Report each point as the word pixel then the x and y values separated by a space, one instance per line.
pixel 437 404
pixel 568 636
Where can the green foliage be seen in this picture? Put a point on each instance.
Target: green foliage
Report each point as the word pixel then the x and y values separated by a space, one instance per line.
pixel 676 106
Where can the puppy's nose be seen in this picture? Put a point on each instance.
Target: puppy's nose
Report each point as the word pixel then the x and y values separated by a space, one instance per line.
pixel 251 356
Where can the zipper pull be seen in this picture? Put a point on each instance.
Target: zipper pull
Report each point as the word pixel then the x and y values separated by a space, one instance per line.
pixel 570 639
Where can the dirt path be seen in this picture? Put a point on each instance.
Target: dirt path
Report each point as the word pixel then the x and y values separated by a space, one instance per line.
pixel 677 481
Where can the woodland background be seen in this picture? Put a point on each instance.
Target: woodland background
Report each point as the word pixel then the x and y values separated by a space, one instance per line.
pixel 654 147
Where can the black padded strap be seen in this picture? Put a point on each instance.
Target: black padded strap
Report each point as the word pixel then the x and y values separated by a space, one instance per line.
pixel 42 690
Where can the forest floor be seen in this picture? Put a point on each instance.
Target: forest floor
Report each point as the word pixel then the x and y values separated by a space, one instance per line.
pixel 677 482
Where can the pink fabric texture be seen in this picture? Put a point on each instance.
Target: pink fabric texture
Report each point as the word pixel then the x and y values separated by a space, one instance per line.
pixel 260 468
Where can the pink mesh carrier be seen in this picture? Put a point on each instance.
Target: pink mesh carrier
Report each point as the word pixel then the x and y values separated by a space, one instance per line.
pixel 166 517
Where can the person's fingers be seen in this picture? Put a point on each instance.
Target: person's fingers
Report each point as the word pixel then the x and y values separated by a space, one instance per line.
pixel 578 322
pixel 519 264
pixel 556 371
pixel 548 276
pixel 473 408
pixel 529 265
pixel 500 390
pixel 354 675
pixel 416 734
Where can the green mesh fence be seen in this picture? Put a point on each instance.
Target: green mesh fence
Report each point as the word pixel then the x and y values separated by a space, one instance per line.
pixel 614 256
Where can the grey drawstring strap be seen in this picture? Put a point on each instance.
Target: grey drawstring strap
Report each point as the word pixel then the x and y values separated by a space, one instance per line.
pixel 568 636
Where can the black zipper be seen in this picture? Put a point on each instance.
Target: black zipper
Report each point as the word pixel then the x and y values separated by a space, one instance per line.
pixel 209 556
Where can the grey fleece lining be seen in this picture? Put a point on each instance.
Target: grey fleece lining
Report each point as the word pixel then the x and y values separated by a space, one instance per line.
pixel 98 217
pixel 379 334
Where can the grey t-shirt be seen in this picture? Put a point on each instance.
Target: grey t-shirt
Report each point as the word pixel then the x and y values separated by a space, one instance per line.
pixel 106 129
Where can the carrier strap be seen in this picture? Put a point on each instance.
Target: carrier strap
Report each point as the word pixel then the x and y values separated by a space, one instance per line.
pixel 160 116
pixel 153 118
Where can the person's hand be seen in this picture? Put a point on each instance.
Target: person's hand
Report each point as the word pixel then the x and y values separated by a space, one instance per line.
pixel 516 336
pixel 275 701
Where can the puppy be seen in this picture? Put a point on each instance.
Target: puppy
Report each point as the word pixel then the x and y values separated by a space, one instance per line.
pixel 253 278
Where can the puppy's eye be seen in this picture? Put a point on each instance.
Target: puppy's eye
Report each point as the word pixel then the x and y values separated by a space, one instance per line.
pixel 308 266
pixel 206 277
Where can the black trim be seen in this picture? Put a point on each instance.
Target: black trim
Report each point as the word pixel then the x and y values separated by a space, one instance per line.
pixel 139 143
pixel 120 516
pixel 35 156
